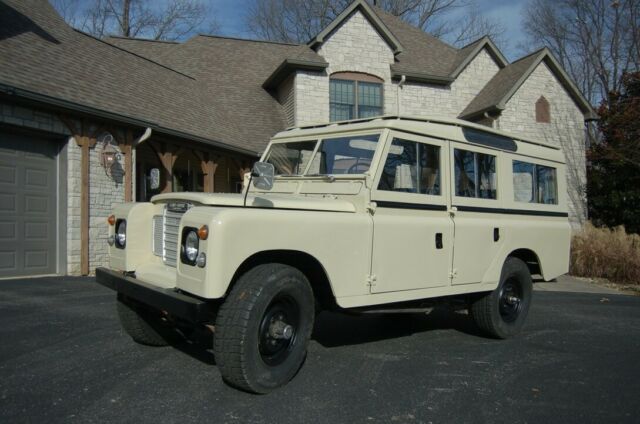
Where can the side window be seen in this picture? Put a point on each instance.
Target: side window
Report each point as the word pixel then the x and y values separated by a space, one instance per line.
pixel 411 167
pixel 534 183
pixel 475 174
pixel 546 187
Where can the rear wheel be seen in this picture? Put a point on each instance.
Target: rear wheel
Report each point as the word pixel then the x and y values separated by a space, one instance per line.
pixel 502 313
pixel 263 328
pixel 145 325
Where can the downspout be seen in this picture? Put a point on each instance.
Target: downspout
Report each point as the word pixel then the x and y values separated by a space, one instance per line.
pixel 403 79
pixel 144 137
pixel 493 120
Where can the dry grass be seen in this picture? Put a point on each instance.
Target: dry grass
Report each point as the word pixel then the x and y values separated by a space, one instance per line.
pixel 606 253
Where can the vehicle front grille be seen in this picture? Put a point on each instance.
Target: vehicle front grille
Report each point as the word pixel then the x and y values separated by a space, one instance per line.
pixel 166 237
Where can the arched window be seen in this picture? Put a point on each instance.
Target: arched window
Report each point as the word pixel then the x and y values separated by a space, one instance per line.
pixel 543 110
pixel 354 95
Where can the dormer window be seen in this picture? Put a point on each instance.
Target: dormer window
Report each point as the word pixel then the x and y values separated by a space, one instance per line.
pixel 354 95
pixel 543 110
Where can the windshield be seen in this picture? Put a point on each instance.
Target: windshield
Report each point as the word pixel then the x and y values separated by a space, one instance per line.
pixel 339 155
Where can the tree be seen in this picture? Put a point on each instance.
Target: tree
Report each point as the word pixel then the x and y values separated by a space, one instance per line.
pixel 614 163
pixel 596 41
pixel 170 20
pixel 300 20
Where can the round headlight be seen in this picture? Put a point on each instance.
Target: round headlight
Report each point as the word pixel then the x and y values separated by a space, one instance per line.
pixel 121 233
pixel 191 246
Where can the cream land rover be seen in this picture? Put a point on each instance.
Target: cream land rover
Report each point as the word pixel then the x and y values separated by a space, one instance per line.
pixel 385 214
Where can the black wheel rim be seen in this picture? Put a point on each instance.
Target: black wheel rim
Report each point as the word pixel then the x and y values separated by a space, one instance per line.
pixel 278 330
pixel 510 300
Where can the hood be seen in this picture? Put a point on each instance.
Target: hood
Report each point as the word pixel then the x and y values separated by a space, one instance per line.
pixel 258 200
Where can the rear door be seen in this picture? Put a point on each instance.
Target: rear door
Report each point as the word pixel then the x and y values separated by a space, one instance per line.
pixel 413 233
pixel 476 211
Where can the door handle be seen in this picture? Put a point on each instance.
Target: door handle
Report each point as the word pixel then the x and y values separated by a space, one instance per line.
pixel 496 234
pixel 438 240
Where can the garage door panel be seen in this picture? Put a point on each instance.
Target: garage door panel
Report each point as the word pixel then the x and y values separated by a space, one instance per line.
pixel 8 203
pixel 28 216
pixel 36 179
pixel 7 175
pixel 8 231
pixel 35 231
pixel 36 205
pixel 36 260
pixel 8 262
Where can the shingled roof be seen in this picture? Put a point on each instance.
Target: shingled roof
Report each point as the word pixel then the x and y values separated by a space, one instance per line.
pixel 206 89
pixel 495 95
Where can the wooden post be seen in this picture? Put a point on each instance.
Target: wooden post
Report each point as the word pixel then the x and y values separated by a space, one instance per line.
pixel 208 166
pixel 127 150
pixel 167 154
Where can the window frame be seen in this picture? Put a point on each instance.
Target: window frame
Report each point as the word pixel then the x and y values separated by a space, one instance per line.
pixel 356 78
pixel 534 187
pixel 412 198
pixel 476 201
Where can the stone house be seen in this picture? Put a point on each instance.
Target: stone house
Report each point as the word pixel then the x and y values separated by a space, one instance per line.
pixel 86 123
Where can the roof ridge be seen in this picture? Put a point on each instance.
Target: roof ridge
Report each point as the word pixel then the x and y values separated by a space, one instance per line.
pixel 251 40
pixel 121 37
pixel 474 42
pixel 378 9
pixel 534 53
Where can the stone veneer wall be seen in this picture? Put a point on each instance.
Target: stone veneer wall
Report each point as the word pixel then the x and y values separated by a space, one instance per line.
pixel 357 47
pixel 104 193
pixel 565 130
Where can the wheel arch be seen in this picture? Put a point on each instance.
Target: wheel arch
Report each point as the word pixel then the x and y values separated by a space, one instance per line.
pixel 304 262
pixel 530 258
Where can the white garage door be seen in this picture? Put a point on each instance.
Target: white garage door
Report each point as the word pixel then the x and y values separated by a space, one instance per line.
pixel 28 193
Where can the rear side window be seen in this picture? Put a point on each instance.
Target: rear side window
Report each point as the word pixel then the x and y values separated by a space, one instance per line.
pixel 411 167
pixel 533 183
pixel 475 174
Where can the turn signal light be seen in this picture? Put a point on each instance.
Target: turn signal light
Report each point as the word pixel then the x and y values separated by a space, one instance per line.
pixel 111 220
pixel 203 232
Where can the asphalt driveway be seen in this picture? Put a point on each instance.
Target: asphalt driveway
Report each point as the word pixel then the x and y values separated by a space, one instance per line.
pixel 63 358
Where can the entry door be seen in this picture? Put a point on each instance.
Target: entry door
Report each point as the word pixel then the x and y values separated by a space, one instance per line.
pixel 28 188
pixel 413 233
pixel 476 202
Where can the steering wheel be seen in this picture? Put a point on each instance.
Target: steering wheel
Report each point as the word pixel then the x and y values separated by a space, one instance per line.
pixel 353 169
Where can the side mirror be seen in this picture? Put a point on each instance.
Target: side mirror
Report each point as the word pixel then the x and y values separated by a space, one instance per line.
pixel 154 178
pixel 262 175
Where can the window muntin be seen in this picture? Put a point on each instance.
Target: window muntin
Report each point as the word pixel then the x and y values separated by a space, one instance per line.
pixel 354 98
pixel 290 158
pixel 534 183
pixel 342 104
pixel 411 167
pixel 344 155
pixel 475 174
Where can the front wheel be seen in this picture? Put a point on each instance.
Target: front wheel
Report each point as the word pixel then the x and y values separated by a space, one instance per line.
pixel 263 328
pixel 502 313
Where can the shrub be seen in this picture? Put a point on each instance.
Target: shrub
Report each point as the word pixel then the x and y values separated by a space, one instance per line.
pixel 606 253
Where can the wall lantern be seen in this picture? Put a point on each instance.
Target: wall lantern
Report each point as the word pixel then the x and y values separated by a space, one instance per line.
pixel 110 156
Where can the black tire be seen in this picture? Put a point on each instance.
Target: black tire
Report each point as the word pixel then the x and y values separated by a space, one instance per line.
pixel 251 346
pixel 145 325
pixel 502 312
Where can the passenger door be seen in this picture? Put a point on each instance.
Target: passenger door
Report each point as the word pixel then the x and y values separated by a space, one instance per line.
pixel 476 210
pixel 412 230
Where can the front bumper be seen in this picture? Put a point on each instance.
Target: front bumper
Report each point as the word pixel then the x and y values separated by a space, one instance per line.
pixel 171 301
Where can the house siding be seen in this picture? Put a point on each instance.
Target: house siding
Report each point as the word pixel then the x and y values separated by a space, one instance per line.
pixel 565 129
